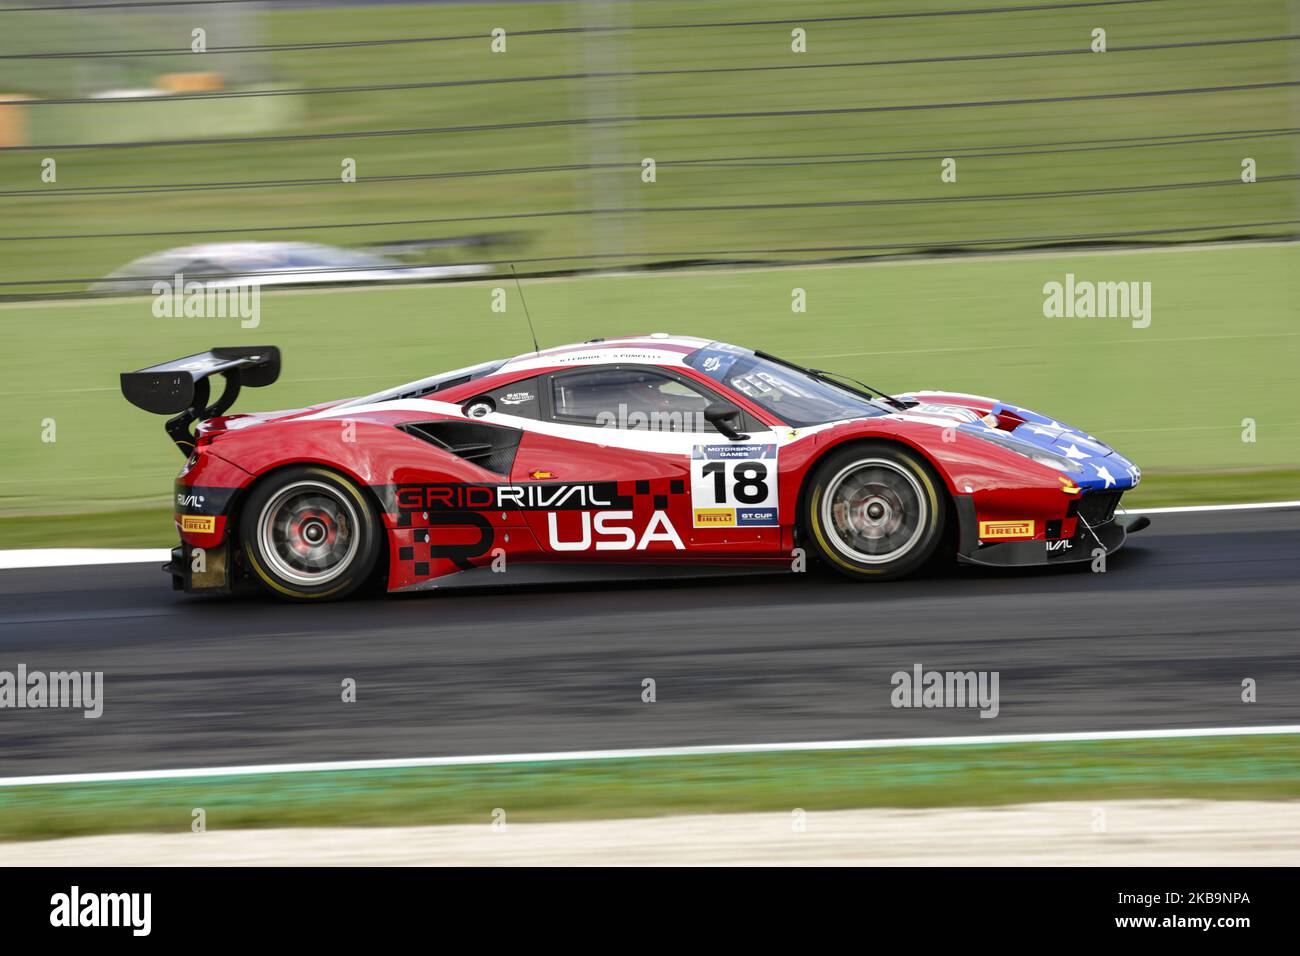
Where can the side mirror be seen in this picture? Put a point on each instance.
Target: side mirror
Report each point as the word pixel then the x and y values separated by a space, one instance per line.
pixel 726 419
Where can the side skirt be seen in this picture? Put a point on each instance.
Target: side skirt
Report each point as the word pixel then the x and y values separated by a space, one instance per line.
pixel 576 572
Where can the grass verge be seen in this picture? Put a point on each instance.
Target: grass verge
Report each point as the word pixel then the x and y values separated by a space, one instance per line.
pixel 140 528
pixel 1226 768
pixel 1177 396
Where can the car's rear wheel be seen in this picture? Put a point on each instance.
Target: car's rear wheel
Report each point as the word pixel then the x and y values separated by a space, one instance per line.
pixel 308 534
pixel 874 511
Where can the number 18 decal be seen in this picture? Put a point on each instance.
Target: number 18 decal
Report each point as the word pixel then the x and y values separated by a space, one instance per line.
pixel 733 486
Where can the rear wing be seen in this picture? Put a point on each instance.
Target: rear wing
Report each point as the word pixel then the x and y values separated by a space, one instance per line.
pixel 181 387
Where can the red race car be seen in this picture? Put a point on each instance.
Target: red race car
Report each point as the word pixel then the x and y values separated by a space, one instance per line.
pixel 648 456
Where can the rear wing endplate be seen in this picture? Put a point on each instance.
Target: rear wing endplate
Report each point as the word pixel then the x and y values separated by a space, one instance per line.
pixel 180 387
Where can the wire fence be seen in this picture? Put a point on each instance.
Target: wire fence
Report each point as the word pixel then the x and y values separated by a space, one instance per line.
pixel 764 161
pixel 708 140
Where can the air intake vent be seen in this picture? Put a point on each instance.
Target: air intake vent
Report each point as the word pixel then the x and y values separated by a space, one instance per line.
pixel 1097 507
pixel 491 447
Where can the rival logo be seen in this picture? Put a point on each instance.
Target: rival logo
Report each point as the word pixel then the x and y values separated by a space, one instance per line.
pixel 198 525
pixel 540 497
pixel 188 501
pixel 1062 545
pixel 1006 530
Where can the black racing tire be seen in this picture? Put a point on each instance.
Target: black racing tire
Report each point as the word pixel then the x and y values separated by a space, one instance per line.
pixel 874 511
pixel 310 534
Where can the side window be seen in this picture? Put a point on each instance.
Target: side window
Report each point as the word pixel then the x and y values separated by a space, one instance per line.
pixel 519 398
pixel 629 398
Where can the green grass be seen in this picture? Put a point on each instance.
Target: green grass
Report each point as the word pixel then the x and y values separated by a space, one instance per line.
pixel 1227 768
pixel 1004 165
pixel 135 528
pixel 1197 488
pixel 1221 348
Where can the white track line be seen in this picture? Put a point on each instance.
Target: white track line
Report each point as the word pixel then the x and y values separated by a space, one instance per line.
pixel 403 763
pixel 1188 509
pixel 75 557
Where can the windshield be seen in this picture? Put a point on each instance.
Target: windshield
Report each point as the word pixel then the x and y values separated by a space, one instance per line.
pixel 796 397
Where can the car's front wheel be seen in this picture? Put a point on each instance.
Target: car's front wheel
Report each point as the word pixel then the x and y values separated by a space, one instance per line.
pixel 874 511
pixel 308 533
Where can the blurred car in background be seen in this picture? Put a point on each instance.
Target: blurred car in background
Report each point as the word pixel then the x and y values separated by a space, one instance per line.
pixel 222 264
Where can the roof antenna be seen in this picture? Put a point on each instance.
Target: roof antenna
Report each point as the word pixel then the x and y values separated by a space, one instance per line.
pixel 531 331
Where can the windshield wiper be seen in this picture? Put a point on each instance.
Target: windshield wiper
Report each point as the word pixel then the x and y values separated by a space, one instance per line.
pixel 868 390
pixel 832 376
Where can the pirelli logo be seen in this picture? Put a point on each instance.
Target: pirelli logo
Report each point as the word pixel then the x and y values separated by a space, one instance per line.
pixel 197 524
pixel 1006 530
pixel 715 517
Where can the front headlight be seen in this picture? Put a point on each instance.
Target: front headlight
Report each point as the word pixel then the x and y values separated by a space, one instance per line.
pixel 1040 455
pixel 1059 462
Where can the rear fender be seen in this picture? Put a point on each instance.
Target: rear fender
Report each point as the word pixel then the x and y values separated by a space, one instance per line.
pixel 206 494
pixel 414 484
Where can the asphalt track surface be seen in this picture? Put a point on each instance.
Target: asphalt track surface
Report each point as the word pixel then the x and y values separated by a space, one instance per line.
pixel 1187 610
